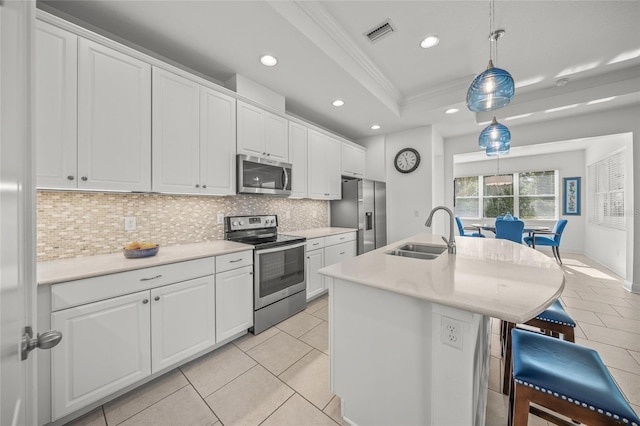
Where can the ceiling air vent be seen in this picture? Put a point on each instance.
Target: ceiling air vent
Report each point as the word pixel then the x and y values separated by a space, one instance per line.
pixel 379 31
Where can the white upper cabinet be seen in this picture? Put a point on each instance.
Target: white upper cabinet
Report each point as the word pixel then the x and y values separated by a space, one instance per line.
pixel 193 137
pixel 56 77
pixel 353 160
pixel 323 166
pixel 176 135
pixel 217 143
pixel 298 159
pixel 261 133
pixel 114 120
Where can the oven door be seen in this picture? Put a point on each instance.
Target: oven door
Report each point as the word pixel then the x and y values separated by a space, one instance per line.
pixel 279 273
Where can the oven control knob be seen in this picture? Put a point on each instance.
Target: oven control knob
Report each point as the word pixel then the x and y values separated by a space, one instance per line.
pixel 241 223
pixel 234 223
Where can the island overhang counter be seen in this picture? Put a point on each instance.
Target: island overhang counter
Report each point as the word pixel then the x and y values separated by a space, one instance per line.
pixel 409 339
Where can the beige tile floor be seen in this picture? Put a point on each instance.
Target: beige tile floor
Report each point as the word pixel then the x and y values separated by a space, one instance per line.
pixel 280 377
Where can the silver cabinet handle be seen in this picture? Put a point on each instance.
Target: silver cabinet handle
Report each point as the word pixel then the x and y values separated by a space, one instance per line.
pixel 341 252
pixel 342 238
pixel 197 186
pixel 156 298
pixel 204 186
pixel 70 177
pixel 84 178
pixel 250 273
pixel 152 278
pixel 235 261
pixel 145 301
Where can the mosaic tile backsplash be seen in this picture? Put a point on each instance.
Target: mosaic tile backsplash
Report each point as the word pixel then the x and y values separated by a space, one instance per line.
pixel 73 224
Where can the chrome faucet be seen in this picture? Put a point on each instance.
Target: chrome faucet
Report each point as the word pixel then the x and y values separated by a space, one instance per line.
pixel 451 243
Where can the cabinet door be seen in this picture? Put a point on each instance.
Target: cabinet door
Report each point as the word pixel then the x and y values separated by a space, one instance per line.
pixel 353 161
pixel 176 137
pixel 251 130
pixel 315 281
pixel 56 87
pixel 182 320
pixel 277 138
pixel 339 252
pixel 217 143
pixel 333 167
pixel 298 157
pixel 317 184
pixel 114 120
pixel 105 347
pixel 234 302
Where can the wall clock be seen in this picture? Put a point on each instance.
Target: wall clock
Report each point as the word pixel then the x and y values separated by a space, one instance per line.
pixel 407 160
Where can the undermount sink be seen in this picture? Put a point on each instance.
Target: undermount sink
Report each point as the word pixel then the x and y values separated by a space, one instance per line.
pixel 424 248
pixel 418 251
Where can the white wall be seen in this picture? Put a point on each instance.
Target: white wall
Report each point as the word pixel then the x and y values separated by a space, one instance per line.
pixel 606 244
pixel 409 196
pixel 568 164
pixel 621 120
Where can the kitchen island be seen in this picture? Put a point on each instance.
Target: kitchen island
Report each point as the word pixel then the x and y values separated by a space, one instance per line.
pixel 409 338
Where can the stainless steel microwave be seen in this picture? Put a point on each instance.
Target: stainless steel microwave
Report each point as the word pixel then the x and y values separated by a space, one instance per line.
pixel 258 175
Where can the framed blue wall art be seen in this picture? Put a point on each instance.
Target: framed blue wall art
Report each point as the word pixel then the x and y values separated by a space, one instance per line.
pixel 571 196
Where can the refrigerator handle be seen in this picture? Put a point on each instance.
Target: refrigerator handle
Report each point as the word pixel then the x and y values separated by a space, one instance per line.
pixel 369 217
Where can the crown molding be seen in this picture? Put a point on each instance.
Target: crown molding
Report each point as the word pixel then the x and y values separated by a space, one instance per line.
pixel 318 25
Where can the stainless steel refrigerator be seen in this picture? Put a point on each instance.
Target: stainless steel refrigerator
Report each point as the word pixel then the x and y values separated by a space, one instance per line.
pixel 363 206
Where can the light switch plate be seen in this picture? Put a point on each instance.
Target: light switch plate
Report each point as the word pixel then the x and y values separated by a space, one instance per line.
pixel 130 223
pixel 220 218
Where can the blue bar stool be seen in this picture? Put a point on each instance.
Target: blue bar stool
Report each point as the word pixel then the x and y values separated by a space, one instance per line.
pixel 554 322
pixel 565 378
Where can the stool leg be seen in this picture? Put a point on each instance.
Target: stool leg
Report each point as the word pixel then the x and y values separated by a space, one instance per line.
pixel 519 410
pixel 507 379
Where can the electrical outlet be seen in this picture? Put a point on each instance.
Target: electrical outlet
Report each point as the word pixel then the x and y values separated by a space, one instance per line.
pixel 130 223
pixel 220 218
pixel 287 215
pixel 451 333
pixel 416 213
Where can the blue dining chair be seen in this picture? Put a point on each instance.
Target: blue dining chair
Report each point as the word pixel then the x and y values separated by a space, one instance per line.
pixel 552 240
pixel 466 234
pixel 510 230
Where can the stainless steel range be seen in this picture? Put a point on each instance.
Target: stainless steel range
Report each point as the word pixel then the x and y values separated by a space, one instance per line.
pixel 279 276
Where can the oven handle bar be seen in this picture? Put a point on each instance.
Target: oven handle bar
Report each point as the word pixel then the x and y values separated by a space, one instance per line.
pixel 280 248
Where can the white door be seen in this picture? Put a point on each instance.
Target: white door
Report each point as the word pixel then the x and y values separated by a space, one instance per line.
pixel 251 130
pixel 182 320
pixel 234 302
pixel 298 158
pixel 114 120
pixel 176 137
pixel 17 211
pixel 277 138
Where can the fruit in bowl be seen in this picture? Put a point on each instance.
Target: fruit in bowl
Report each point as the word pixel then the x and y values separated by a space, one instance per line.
pixel 137 250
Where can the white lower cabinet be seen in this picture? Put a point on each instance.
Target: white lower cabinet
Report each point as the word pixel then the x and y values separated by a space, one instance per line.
pixel 323 252
pixel 105 347
pixel 182 321
pixel 234 302
pixel 315 281
pixel 111 341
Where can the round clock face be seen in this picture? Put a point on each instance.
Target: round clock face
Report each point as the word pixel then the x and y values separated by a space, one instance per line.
pixel 407 160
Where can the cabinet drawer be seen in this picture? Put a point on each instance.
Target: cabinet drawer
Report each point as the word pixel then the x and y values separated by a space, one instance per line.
pixel 340 238
pixel 315 243
pixel 339 252
pixel 234 260
pixel 79 292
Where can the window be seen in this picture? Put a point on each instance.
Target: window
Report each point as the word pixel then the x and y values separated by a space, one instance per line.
pixel 527 195
pixel 606 191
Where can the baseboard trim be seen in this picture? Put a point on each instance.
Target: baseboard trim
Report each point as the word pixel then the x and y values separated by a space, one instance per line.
pixel 631 287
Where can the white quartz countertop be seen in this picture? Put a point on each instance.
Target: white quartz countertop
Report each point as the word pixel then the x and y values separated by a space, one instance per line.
pixel 319 232
pixel 57 271
pixel 493 277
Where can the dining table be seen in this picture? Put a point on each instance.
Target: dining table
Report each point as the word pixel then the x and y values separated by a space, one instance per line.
pixel 528 229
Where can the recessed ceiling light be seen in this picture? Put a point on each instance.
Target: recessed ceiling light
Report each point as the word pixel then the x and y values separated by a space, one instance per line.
pixel 451 111
pixel 337 103
pixel 429 41
pixel 562 82
pixel 375 127
pixel 597 101
pixel 268 60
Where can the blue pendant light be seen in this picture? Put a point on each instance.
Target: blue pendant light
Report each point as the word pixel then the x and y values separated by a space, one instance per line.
pixel 494 88
pixel 498 149
pixel 491 90
pixel 494 134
